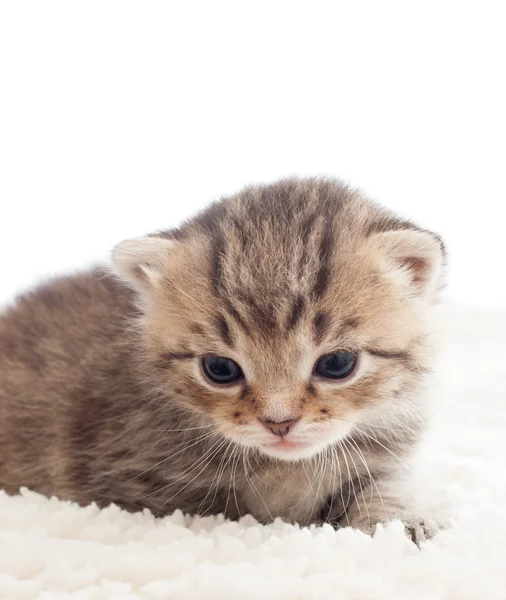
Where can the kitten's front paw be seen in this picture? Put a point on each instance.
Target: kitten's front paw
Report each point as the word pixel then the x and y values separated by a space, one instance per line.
pixel 420 529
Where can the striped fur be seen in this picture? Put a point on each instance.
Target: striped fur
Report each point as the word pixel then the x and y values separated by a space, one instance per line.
pixel 102 396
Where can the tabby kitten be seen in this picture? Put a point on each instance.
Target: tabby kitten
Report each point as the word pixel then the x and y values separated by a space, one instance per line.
pixel 266 357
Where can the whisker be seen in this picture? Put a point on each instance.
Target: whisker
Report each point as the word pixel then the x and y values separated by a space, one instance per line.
pixel 181 430
pixel 231 483
pixel 392 429
pixel 195 442
pixel 188 470
pixel 308 487
pixel 216 451
pixel 251 482
pixel 345 506
pixel 331 505
pixel 223 469
pixel 350 480
pixel 232 454
pixel 257 460
pixel 336 460
pixel 384 447
pixel 217 479
pixel 321 464
pixel 370 477
pixel 334 472
pixel 234 487
pixel 345 446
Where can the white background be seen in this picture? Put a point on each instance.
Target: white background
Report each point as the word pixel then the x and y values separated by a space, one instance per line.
pixel 118 118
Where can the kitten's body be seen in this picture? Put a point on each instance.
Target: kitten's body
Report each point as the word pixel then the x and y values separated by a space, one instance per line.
pixel 101 398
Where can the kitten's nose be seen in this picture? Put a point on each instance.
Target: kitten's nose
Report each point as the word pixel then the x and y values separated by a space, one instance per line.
pixel 280 429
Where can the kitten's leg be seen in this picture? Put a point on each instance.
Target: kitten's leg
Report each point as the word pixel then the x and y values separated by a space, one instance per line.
pixel 383 502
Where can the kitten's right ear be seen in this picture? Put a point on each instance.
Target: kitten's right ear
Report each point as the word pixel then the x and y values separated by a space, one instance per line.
pixel 414 258
pixel 142 261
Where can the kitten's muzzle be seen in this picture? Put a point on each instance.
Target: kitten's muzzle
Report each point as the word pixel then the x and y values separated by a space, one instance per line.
pixel 280 429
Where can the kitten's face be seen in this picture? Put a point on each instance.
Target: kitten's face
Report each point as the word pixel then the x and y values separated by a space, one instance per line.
pixel 289 329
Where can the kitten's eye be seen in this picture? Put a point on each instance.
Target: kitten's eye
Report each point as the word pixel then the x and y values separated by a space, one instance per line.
pixel 337 365
pixel 221 370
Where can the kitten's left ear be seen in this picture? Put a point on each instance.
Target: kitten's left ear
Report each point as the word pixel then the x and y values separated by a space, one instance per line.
pixel 415 258
pixel 143 261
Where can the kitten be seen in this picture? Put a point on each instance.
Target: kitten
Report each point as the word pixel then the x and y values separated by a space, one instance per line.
pixel 266 357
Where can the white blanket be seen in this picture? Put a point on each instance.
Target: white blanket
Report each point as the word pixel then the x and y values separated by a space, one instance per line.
pixel 56 550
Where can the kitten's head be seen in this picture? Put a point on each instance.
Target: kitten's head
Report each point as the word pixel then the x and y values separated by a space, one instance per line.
pixel 289 314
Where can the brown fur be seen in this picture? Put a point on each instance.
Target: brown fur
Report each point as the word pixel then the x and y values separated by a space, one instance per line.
pixel 102 397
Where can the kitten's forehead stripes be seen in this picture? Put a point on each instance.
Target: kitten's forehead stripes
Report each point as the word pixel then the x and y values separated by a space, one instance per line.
pixel 296 313
pixel 224 330
pixel 325 257
pixel 240 233
pixel 197 329
pixel 394 354
pixel 307 229
pixel 236 315
pixel 217 250
pixel 404 356
pixel 264 237
pixel 167 358
pixel 261 315
pixel 238 223
pixel 323 328
pixel 351 322
pixel 320 324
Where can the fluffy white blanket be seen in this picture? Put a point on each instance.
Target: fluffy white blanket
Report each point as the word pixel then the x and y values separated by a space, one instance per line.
pixel 56 550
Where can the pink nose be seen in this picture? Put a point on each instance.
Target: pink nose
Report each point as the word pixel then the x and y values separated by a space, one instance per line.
pixel 280 429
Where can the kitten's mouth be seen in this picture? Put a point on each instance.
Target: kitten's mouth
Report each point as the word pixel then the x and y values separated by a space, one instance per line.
pixel 285 448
